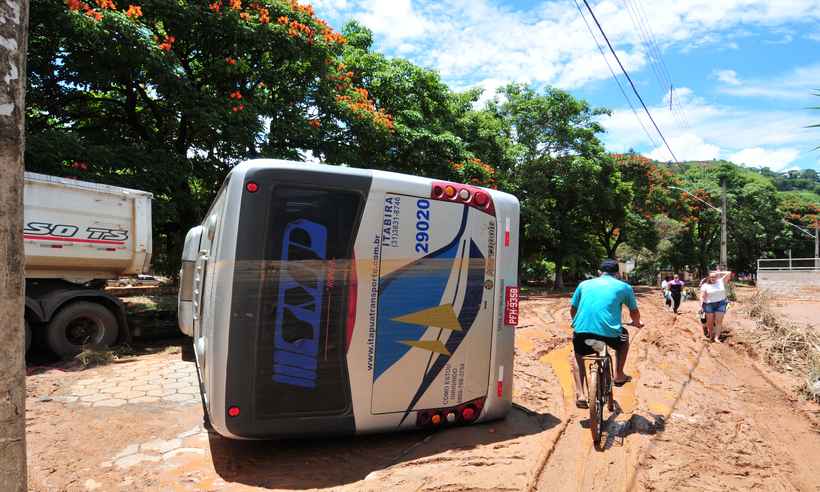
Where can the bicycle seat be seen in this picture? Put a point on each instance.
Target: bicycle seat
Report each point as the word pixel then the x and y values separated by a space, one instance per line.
pixel 597 345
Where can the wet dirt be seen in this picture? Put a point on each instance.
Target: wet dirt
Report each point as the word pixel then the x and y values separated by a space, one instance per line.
pixel 696 416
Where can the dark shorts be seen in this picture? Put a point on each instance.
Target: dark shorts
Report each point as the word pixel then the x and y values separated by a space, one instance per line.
pixel 715 307
pixel 615 343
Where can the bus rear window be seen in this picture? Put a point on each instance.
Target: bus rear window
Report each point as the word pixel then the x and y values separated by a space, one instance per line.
pixel 301 341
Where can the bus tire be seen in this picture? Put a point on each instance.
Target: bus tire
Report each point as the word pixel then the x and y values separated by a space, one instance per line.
pixel 81 324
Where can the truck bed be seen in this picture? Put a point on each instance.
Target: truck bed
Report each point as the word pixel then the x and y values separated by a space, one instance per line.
pixel 81 231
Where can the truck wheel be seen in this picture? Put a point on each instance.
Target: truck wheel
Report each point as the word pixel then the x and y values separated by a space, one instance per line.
pixel 28 336
pixel 80 324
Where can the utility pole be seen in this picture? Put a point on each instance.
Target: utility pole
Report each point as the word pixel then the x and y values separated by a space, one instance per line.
pixel 724 263
pixel 13 42
pixel 817 242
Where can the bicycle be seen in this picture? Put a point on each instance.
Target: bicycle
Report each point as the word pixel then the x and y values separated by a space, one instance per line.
pixel 599 384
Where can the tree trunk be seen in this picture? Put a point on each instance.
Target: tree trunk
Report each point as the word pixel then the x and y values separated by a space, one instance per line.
pixel 13 39
pixel 559 277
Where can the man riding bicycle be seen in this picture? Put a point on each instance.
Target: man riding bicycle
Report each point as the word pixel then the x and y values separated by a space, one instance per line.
pixel 596 314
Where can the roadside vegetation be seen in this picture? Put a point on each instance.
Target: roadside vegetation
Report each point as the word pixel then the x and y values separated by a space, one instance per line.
pixel 167 96
pixel 787 346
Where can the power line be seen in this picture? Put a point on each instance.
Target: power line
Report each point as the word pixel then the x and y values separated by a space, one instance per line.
pixel 611 71
pixel 649 39
pixel 626 74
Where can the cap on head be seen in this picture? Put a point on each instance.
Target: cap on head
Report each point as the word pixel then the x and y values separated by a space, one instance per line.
pixel 609 266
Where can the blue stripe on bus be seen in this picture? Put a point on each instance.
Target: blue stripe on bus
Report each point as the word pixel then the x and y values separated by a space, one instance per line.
pixel 296 372
pixel 296 360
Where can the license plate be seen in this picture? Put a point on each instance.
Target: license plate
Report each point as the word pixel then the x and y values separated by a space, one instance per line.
pixel 511 298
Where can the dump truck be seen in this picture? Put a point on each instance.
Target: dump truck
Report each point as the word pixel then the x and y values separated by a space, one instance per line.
pixel 77 236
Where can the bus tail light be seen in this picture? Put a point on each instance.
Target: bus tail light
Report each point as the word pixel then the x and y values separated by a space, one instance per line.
pixel 233 411
pixel 465 413
pixel 252 187
pixel 466 194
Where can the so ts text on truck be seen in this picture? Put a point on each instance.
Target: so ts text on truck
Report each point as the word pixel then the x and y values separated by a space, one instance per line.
pixel 78 235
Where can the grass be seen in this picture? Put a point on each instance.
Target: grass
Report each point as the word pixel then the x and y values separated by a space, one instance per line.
pixel 95 356
pixel 784 345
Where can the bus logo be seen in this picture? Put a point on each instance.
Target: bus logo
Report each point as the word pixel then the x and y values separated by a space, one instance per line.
pixel 299 304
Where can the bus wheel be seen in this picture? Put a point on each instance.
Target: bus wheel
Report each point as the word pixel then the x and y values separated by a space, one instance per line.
pixel 81 324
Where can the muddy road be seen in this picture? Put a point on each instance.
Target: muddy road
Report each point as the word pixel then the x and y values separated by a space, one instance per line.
pixel 696 416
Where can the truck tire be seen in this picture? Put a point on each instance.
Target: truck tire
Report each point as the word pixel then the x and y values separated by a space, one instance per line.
pixel 81 324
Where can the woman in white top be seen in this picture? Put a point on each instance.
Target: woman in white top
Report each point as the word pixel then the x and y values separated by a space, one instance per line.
pixel 713 297
pixel 667 300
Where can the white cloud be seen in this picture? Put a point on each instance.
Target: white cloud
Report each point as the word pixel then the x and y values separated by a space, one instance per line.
pixel 468 41
pixel 727 77
pixel 397 20
pixel 687 147
pixel 796 84
pixel 776 138
pixel 776 159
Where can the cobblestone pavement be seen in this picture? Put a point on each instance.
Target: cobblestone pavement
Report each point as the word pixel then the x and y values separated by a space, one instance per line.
pixel 159 381
pixel 190 442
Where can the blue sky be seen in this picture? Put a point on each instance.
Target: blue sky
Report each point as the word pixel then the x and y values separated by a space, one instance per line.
pixel 742 70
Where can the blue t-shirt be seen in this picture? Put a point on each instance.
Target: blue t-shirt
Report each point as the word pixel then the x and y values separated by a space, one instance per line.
pixel 598 302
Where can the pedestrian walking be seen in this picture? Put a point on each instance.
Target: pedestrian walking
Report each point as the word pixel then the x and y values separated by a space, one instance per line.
pixel 675 291
pixel 714 300
pixel 667 297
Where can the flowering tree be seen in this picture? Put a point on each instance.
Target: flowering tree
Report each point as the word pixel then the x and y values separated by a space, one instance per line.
pixel 167 95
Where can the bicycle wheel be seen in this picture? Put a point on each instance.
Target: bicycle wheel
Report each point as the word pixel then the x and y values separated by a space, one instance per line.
pixel 610 398
pixel 596 404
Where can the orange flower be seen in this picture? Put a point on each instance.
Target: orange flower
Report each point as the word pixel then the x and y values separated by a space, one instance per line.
pixel 236 4
pixel 283 20
pixel 245 16
pixel 264 16
pixel 235 95
pixel 168 43
pixel 230 61
pixel 315 123
pixel 134 11
pixel 106 4
pixel 215 7
pixel 75 5
pixel 94 14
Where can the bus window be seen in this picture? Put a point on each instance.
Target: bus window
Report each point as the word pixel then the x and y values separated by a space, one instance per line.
pixel 301 335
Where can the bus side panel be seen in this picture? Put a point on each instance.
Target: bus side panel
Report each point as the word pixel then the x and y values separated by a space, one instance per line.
pixel 500 384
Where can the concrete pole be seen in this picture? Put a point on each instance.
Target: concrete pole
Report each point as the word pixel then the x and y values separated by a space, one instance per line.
pixel 724 263
pixel 13 41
